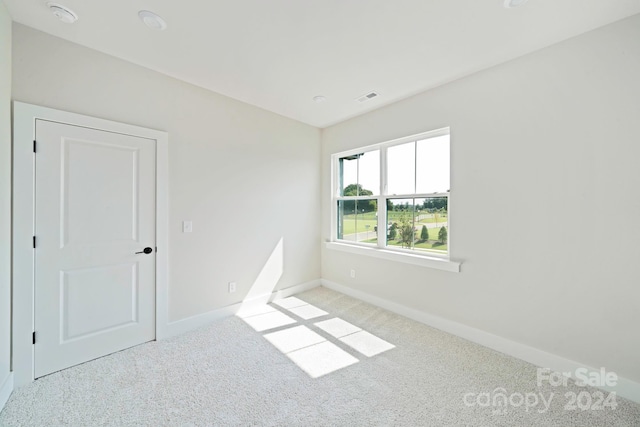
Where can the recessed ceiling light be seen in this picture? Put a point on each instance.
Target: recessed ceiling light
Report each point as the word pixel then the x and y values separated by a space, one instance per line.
pixel 63 13
pixel 318 99
pixel 513 3
pixel 152 20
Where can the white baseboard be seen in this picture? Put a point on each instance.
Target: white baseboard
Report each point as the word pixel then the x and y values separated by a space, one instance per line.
pixel 6 388
pixel 193 322
pixel 625 388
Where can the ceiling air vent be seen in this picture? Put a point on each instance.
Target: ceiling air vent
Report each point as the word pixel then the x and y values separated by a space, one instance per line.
pixel 367 97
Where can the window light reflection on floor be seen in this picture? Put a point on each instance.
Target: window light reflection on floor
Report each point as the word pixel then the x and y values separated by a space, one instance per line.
pixel 308 312
pixel 366 343
pixel 300 308
pixel 290 302
pixel 321 359
pixel 337 327
pixel 361 341
pixel 254 309
pixel 266 321
pixel 292 339
pixel 309 350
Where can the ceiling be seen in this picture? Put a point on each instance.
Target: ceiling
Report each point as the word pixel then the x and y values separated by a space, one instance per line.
pixel 279 54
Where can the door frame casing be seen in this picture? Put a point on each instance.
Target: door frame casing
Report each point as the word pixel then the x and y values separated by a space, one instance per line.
pixel 23 190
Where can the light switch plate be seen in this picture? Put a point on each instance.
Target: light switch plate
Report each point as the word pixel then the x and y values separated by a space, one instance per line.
pixel 187 226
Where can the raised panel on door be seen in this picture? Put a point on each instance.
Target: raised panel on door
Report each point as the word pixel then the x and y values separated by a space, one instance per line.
pixel 98 299
pixel 112 171
pixel 95 208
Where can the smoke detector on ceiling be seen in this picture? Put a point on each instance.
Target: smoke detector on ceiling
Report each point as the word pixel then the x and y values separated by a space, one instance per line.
pixel 63 13
pixel 513 3
pixel 367 97
pixel 152 20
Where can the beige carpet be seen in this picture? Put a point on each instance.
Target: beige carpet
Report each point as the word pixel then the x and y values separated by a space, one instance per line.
pixel 320 359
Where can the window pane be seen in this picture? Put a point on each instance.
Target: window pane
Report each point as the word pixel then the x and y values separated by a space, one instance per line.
pixel 418 224
pixel 342 210
pixel 360 174
pixel 357 221
pixel 432 173
pixel 400 219
pixel 348 175
pixel 401 169
pixel 432 224
pixel 369 173
pixel 366 222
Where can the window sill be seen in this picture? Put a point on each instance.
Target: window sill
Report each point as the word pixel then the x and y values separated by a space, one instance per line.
pixel 421 260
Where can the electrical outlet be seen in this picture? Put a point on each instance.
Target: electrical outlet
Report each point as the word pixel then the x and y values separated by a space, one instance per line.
pixel 353 274
pixel 232 287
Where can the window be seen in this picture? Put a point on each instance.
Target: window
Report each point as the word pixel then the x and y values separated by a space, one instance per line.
pixel 395 195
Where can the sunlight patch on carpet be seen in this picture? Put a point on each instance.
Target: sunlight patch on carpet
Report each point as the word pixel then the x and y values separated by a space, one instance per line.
pixel 367 343
pixel 312 351
pixel 254 310
pixel 290 302
pixel 321 359
pixel 292 339
pixel 308 312
pixel 264 322
pixel 337 327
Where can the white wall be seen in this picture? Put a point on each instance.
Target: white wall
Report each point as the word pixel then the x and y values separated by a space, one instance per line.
pixel 5 200
pixel 548 140
pixel 545 200
pixel 245 177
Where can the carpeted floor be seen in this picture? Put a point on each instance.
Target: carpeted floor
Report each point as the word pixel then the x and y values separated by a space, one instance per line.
pixel 347 364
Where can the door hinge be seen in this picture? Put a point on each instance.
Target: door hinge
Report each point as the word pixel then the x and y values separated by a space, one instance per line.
pixel 34 337
pixel 34 242
pixel 34 146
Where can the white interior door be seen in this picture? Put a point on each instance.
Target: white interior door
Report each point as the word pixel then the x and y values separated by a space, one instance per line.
pixel 94 209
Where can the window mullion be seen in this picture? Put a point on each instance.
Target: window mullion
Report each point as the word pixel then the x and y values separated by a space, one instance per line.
pixel 383 171
pixel 340 177
pixel 355 197
pixel 415 189
pixel 382 200
pixel 418 196
pixel 415 167
pixel 336 223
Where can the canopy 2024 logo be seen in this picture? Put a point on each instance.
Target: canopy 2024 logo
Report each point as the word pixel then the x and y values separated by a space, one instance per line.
pixel 538 401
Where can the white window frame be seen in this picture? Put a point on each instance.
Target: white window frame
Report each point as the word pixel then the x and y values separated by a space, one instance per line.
pixel 381 250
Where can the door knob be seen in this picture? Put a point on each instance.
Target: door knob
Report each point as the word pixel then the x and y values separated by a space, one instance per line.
pixel 146 250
